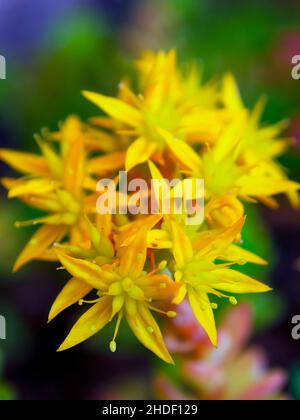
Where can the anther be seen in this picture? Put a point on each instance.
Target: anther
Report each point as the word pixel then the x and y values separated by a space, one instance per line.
pixel 113 346
pixel 233 300
pixel 162 265
pixel 171 314
pixel 150 330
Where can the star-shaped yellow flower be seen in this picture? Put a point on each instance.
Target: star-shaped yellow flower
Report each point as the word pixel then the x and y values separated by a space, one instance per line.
pixel 169 100
pixel 124 290
pixel 59 183
pixel 199 274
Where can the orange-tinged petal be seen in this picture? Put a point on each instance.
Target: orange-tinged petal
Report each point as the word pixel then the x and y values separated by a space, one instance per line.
pixel 84 270
pixel 74 170
pixel 48 202
pixel 48 255
pixel 92 321
pixel 128 231
pixel 133 258
pixel 117 109
pixel 107 163
pixel 158 286
pixel 96 139
pixel 203 311
pixel 26 163
pixel 74 290
pixel 43 238
pixel 147 331
pixel 294 199
pixel 139 152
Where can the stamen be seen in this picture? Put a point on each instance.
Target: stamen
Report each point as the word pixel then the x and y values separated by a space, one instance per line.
pixel 214 305
pixel 169 314
pixel 113 344
pixel 26 223
pixel 82 301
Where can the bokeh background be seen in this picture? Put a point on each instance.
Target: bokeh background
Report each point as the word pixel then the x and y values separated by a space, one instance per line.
pixel 54 49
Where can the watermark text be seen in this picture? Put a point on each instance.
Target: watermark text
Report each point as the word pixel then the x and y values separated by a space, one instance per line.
pixel 296 68
pixel 2 67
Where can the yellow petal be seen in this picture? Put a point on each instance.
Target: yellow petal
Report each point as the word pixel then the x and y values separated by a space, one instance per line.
pixel 139 152
pixel 182 248
pixel 180 295
pixel 294 199
pixel 214 243
pixel 158 239
pixel 236 253
pixel 117 109
pixel 202 309
pixel 43 238
pixel 147 331
pixel 117 304
pixel 183 152
pixel 228 143
pixel 89 323
pixel 258 186
pixel 234 282
pixel 85 270
pixel 53 160
pixel 74 290
pixel 230 93
pixel 26 163
pixel 32 186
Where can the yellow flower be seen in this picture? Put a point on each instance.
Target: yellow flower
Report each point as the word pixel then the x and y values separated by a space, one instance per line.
pixel 60 184
pixel 258 148
pixel 231 178
pixel 199 274
pixel 124 290
pixel 170 101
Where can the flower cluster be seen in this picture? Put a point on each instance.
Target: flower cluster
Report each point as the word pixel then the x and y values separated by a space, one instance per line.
pixel 174 126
